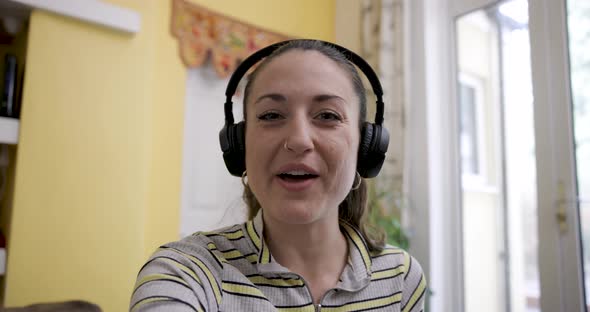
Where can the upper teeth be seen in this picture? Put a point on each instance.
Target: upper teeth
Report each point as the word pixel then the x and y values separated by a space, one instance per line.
pixel 296 172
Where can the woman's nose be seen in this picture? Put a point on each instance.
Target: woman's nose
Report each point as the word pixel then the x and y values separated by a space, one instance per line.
pixel 299 136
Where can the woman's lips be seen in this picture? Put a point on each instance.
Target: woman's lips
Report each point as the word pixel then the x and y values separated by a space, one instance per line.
pixel 296 177
pixel 295 184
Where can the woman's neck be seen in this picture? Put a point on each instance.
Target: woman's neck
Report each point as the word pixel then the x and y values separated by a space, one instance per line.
pixel 317 251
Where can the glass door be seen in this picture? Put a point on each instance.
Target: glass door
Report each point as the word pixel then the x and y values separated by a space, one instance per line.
pixel 522 73
pixel 558 29
pixel 498 159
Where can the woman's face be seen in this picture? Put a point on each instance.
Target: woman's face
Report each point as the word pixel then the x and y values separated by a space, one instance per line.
pixel 302 137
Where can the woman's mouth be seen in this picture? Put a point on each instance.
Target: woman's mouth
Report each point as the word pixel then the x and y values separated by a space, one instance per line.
pixel 296 176
pixel 296 180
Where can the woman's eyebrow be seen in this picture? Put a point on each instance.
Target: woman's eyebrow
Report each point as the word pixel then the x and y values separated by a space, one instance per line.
pixel 327 97
pixel 277 97
pixel 272 96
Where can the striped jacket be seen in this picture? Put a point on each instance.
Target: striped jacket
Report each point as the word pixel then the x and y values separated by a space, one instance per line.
pixel 233 270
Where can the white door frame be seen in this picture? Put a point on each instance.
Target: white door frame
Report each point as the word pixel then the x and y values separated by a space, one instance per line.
pixel 559 252
pixel 434 159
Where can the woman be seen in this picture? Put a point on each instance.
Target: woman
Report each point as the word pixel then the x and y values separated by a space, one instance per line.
pixel 306 247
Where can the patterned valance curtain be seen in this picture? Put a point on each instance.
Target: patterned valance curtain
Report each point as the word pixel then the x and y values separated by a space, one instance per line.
pixel 203 34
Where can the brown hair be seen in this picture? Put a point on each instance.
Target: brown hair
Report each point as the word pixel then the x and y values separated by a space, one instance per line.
pixel 353 209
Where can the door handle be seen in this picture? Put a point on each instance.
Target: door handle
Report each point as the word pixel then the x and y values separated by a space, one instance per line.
pixel 561 214
pixel 562 204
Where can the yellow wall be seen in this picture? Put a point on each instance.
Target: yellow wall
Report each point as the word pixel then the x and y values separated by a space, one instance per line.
pixel 82 166
pixel 163 213
pixel 347 24
pixel 98 174
pixel 298 18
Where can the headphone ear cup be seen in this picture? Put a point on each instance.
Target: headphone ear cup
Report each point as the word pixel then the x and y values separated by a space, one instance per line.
pixel 364 146
pixel 231 139
pixel 373 145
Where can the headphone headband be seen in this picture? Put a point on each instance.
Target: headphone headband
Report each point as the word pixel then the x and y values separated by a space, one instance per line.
pixel 264 52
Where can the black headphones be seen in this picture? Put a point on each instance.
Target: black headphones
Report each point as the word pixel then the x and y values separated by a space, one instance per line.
pixel 374 138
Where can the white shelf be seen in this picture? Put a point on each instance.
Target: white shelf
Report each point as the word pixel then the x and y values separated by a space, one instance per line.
pixel 2 261
pixel 92 11
pixel 9 130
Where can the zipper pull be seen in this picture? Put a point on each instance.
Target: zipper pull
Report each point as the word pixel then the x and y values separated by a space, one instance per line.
pixel 318 307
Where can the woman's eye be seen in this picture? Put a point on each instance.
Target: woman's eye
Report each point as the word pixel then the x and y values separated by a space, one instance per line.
pixel 270 116
pixel 328 116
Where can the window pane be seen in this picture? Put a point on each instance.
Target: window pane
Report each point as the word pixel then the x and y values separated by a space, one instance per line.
pixel 467 103
pixel 497 138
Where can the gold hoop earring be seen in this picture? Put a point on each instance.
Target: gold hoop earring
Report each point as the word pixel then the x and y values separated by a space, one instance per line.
pixel 244 179
pixel 358 184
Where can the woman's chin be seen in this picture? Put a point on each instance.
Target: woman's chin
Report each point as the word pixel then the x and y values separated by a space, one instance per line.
pixel 296 214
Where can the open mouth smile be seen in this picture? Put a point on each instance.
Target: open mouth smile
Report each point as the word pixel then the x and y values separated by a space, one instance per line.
pixel 296 179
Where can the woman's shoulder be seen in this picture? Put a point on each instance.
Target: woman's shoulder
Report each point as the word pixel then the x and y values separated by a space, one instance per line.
pixel 189 270
pixel 206 240
pixel 396 264
pixel 396 258
pixel 231 232
pixel 210 246
pixel 389 253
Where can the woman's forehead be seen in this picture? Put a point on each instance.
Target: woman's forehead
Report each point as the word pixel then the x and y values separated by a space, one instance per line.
pixel 307 68
pixel 298 58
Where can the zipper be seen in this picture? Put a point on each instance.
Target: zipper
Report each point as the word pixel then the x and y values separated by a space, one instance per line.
pixel 317 307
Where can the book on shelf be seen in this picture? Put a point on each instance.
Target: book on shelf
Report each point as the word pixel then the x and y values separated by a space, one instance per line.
pixel 9 103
